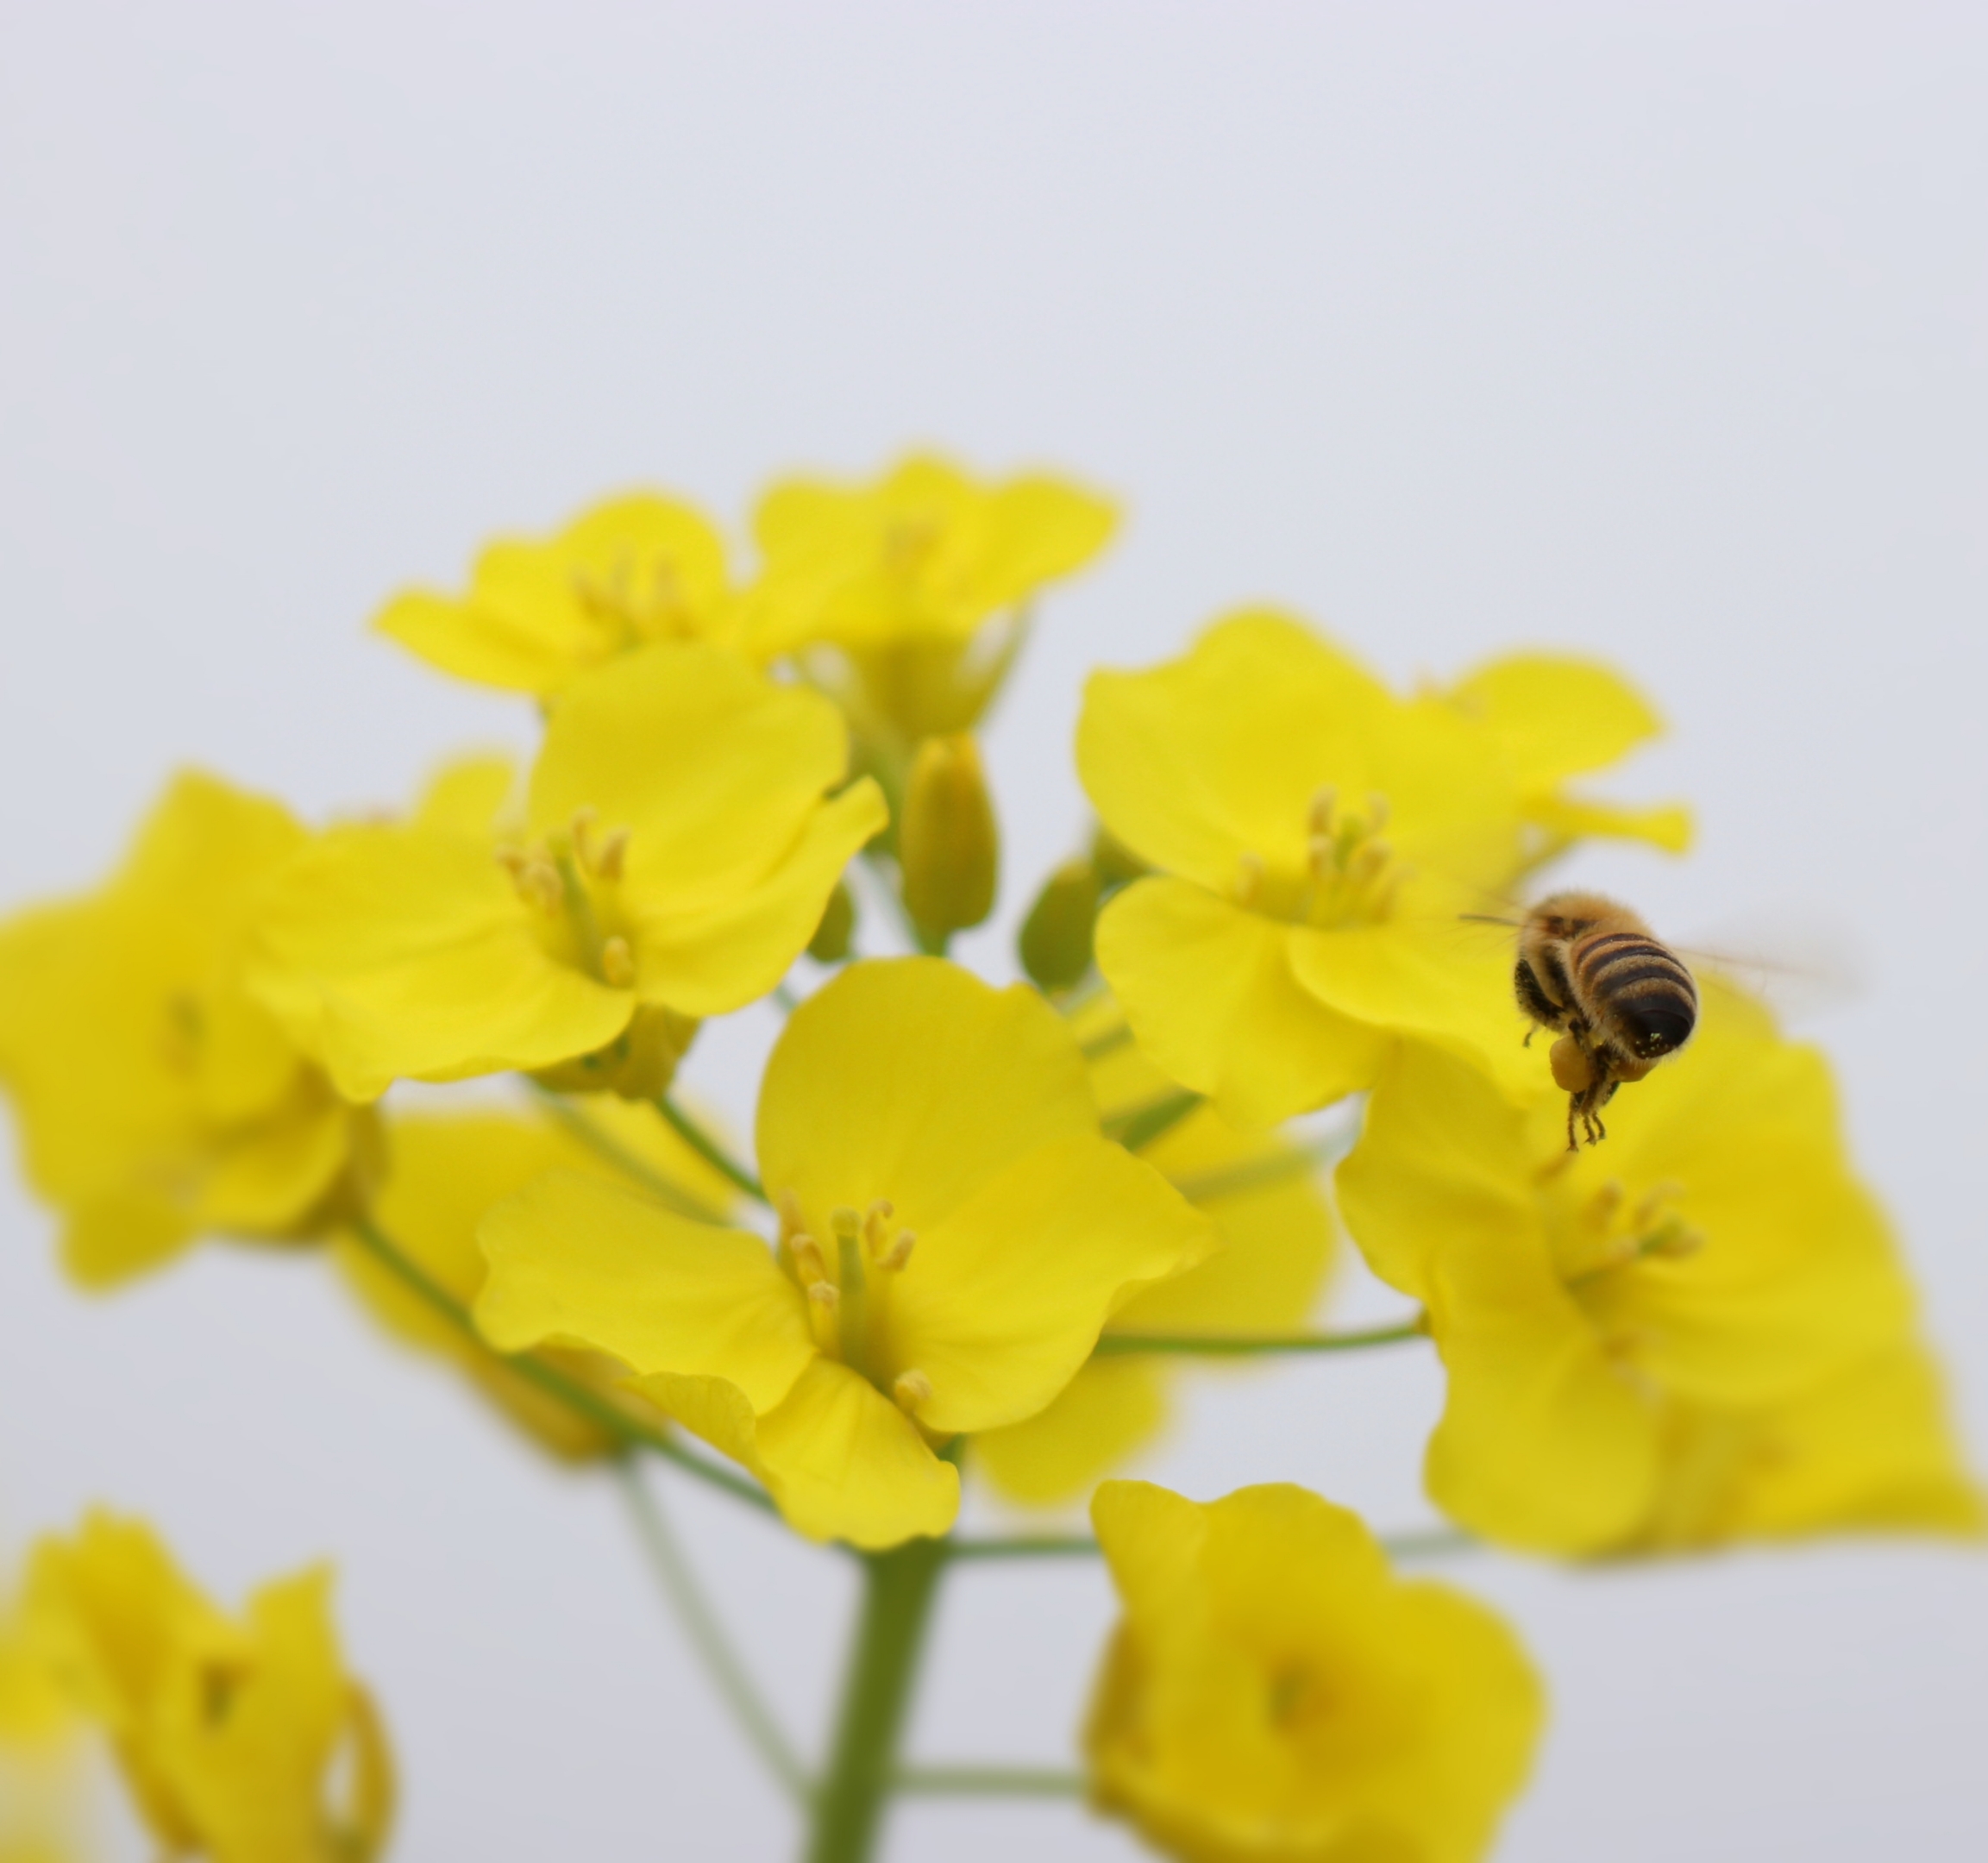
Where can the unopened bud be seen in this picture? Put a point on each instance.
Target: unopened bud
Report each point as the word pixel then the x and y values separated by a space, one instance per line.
pixel 833 936
pixel 949 844
pixel 1055 942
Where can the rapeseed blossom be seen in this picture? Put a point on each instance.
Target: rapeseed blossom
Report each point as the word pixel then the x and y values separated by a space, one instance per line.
pixel 157 1101
pixel 676 846
pixel 1312 840
pixel 445 1170
pixel 908 598
pixel 1280 1242
pixel 540 612
pixel 1717 1256
pixel 242 1740
pixel 42 1759
pixel 954 1232
pixel 1275 1695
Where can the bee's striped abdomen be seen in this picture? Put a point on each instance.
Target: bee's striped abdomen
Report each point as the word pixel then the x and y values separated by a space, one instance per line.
pixel 1639 990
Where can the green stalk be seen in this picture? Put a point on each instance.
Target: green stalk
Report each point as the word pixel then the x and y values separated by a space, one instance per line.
pixel 708 1148
pixel 900 1588
pixel 1245 1345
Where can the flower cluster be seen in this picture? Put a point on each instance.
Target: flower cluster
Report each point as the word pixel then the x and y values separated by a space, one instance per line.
pixel 981 1229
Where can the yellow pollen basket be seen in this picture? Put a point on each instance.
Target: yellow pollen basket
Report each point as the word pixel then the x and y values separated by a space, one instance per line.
pixel 848 1288
pixel 571 881
pixel 640 599
pixel 1350 874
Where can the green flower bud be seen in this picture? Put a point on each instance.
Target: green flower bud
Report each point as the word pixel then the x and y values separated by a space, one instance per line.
pixel 949 845
pixel 1055 937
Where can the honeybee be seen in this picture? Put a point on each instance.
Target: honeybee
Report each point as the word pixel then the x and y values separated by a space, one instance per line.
pixel 1620 1000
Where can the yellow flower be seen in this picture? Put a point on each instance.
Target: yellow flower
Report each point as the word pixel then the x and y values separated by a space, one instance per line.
pixel 954 1232
pixel 1279 1246
pixel 538 613
pixel 445 1170
pixel 1314 838
pixel 1716 1253
pixel 908 597
pixel 1872 1450
pixel 157 1101
pixel 230 1732
pixel 1275 1695
pixel 674 856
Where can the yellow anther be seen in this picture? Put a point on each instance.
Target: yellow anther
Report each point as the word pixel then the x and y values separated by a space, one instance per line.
pixel 611 857
pixel 618 962
pixel 1675 1241
pixel 1606 1204
pixel 910 1390
pixel 791 1222
pixel 1325 807
pixel 893 1260
pixel 808 1261
pixel 580 831
pixel 1322 856
pixel 875 1235
pixel 1368 859
pixel 1249 878
pixel 540 883
pixel 824 1294
pixel 1666 1191
pixel 1378 811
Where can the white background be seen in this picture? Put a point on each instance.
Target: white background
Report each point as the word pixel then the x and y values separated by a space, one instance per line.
pixel 1657 332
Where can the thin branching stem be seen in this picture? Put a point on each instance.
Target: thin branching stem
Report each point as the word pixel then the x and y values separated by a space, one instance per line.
pixel 701 1625
pixel 605 1416
pixel 708 1148
pixel 1249 1345
pixel 989 1782
pixel 605 1146
pixel 1136 1127
pixel 1421 1543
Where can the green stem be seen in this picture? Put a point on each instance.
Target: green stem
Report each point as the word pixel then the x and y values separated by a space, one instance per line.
pixel 1245 1345
pixel 603 1144
pixel 900 1588
pixel 1136 1127
pixel 708 1148
pixel 1290 1161
pixel 1023 1545
pixel 1427 1542
pixel 991 1782
pixel 603 1415
pixel 1109 1042
pixel 700 1624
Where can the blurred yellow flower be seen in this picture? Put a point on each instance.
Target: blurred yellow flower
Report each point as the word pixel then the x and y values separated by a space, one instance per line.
pixel 1313 839
pixel 231 1734
pixel 1715 1254
pixel 955 1230
pixel 907 598
pixel 675 853
pixel 1280 1242
pixel 42 1780
pixel 444 1172
pixel 539 613
pixel 157 1101
pixel 1872 1450
pixel 1275 1695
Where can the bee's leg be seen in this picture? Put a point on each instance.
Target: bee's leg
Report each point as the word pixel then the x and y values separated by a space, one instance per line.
pixel 1573 1107
pixel 1533 1002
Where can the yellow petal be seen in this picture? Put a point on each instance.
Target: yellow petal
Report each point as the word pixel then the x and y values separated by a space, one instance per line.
pixel 909 1079
pixel 1666 825
pixel 1005 1294
pixel 1211 994
pixel 404 952
pixel 732 951
pixel 109 1240
pixel 1543 1444
pixel 578 1262
pixel 1152 1538
pixel 1416 977
pixel 712 769
pixel 1555 715
pixel 1441 1155
pixel 1110 1409
pixel 467 795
